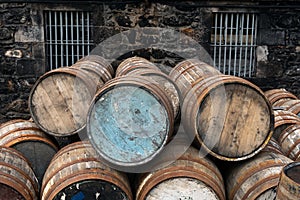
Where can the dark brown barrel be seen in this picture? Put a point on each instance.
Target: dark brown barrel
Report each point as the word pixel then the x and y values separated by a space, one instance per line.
pixel 102 63
pixel 289 184
pixel 76 172
pixel 165 82
pixel 130 120
pixel 134 63
pixel 192 176
pixel 59 101
pixel 256 177
pixel 283 119
pixel 289 140
pixel 229 116
pixel 187 72
pixel 31 141
pixel 17 179
pixel 277 95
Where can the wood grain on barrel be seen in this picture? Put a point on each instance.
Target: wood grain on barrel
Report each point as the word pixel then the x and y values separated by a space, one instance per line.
pixel 292 106
pixel 99 60
pixel 189 165
pixel 283 119
pixel 78 163
pixel 16 173
pixel 255 176
pixel 289 185
pixel 130 121
pixel 230 117
pixel 59 102
pixel 289 141
pixel 276 95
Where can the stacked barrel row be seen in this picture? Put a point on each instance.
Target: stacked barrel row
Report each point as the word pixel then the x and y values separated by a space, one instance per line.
pixel 131 148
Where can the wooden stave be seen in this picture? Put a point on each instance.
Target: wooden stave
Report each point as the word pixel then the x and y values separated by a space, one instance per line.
pixel 289 141
pixel 275 95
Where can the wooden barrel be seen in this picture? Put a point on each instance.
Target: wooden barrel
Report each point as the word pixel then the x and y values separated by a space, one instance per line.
pixel 165 82
pixel 289 140
pixel 273 146
pixel 17 180
pixel 229 116
pixel 102 63
pixel 187 72
pixel 134 63
pixel 59 101
pixel 76 172
pixel 190 177
pixel 255 178
pixel 277 95
pixel 32 142
pixel 292 106
pixel 130 120
pixel 289 184
pixel 283 119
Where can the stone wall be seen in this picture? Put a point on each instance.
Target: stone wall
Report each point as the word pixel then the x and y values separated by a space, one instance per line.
pixel 164 32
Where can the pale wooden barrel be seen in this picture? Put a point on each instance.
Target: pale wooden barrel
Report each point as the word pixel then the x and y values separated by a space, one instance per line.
pixel 229 116
pixel 277 95
pixel 273 146
pixel 289 140
pixel 102 63
pixel 130 120
pixel 17 180
pixel 256 177
pixel 192 176
pixel 187 72
pixel 134 63
pixel 165 82
pixel 292 106
pixel 289 184
pixel 59 101
pixel 283 119
pixel 26 137
pixel 76 172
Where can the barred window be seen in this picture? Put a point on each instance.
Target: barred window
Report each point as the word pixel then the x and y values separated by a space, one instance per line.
pixel 68 37
pixel 233 43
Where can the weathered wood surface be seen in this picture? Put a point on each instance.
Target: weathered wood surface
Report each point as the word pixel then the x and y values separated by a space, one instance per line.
pixel 273 146
pixel 102 63
pixel 201 170
pixel 283 119
pixel 165 82
pixel 253 177
pixel 78 164
pixel 130 120
pixel 292 106
pixel 134 63
pixel 289 185
pixel 289 141
pixel 186 73
pixel 16 173
pixel 229 116
pixel 32 142
pixel 277 95
pixel 59 101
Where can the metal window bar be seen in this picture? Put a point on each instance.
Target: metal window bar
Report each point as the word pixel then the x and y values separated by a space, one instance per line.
pixel 67 37
pixel 233 43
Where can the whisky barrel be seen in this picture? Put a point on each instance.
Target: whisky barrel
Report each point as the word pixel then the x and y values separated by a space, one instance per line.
pixel 289 140
pixel 130 120
pixel 59 101
pixel 230 117
pixel 187 72
pixel 102 63
pixel 289 184
pixel 17 180
pixel 31 141
pixel 283 119
pixel 273 146
pixel 256 177
pixel 76 172
pixel 165 82
pixel 190 177
pixel 134 63
pixel 277 95
pixel 292 106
